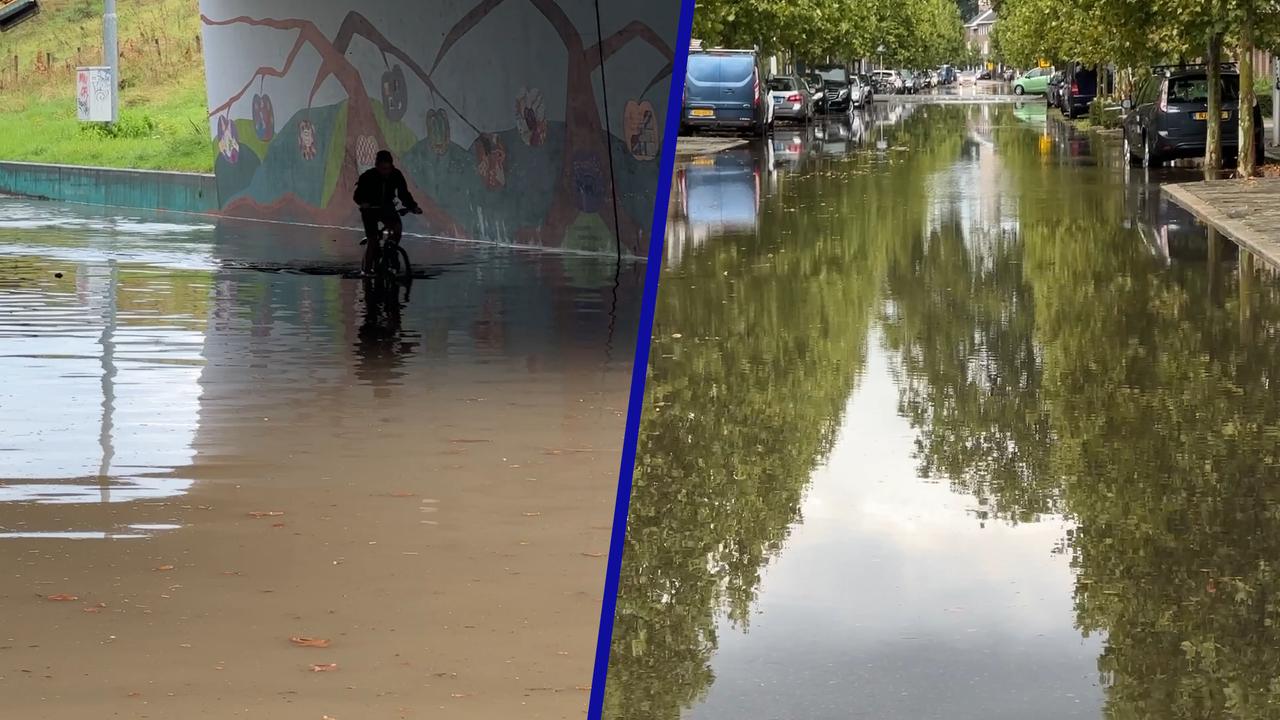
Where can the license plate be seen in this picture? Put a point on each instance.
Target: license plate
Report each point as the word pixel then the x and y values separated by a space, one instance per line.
pixel 702 112
pixel 704 162
pixel 1205 116
pixel 777 101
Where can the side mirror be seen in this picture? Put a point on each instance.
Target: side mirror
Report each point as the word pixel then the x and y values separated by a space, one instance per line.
pixel 1127 104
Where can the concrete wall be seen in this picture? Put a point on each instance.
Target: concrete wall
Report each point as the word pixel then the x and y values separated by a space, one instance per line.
pixel 183 192
pixel 533 122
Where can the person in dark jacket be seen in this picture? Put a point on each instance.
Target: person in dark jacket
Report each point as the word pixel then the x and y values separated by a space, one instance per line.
pixel 376 193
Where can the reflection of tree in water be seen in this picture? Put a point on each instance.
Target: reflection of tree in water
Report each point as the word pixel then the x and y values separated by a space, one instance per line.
pixel 383 346
pixel 961 322
pixel 757 345
pixel 1070 372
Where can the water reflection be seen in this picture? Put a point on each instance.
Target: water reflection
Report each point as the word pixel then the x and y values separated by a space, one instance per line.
pixel 134 350
pixel 976 427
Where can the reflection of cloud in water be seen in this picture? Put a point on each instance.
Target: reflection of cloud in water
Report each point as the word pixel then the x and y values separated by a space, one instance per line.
pixel 90 490
pixel 102 394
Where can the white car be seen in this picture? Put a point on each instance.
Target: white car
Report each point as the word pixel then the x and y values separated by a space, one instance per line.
pixel 969 77
pixel 888 78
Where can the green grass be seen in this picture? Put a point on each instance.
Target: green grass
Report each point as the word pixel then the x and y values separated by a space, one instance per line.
pixel 164 123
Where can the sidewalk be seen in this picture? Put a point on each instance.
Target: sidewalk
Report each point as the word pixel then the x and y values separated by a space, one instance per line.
pixel 1246 211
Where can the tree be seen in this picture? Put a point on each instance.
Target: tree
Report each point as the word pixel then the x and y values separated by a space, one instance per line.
pixel 917 33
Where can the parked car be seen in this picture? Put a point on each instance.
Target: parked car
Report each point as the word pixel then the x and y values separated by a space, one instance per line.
pixel 723 90
pixel 790 97
pixel 947 75
pixel 839 94
pixel 984 74
pixel 887 82
pixel 1167 117
pixel 1079 88
pixel 927 79
pixel 1053 90
pixel 969 77
pixel 1033 82
pixel 910 82
pixel 868 89
pixel 817 93
pixel 1008 74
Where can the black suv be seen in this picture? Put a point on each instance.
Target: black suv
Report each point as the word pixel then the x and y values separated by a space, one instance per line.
pixel 1166 119
pixel 836 80
pixel 1079 86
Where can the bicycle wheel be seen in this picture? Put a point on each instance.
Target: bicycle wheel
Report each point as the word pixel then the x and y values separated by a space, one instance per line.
pixel 406 270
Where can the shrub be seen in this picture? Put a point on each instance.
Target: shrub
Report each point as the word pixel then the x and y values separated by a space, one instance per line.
pixel 1104 113
pixel 1262 86
pixel 131 125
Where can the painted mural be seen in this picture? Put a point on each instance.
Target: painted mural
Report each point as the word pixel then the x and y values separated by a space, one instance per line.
pixel 532 122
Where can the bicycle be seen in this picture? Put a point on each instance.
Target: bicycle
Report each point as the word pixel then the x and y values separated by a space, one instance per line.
pixel 392 267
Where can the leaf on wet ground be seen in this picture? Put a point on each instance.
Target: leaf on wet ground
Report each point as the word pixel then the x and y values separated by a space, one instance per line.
pixel 310 642
pixel 592 555
pixel 532 514
pixel 62 597
pixel 163 568
pixel 258 514
pixel 468 441
pixel 324 667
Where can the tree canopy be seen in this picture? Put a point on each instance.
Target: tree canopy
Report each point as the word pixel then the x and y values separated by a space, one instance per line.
pixel 914 33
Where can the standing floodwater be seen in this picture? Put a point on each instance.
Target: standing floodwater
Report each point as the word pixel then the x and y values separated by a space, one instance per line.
pixel 951 416
pixel 211 442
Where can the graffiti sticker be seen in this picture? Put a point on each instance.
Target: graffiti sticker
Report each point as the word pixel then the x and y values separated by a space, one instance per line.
pixel 531 117
pixel 264 118
pixel 491 161
pixel 438 131
pixel 641 128
pixel 228 139
pixel 588 182
pixel 307 144
pixel 366 151
pixel 395 94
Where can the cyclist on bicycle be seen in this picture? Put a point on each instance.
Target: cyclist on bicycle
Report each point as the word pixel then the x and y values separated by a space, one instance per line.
pixel 376 193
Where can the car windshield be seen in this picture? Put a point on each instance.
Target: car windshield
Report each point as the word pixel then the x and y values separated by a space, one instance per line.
pixel 1195 90
pixel 782 84
pixel 832 75
pixel 729 68
pixel 906 74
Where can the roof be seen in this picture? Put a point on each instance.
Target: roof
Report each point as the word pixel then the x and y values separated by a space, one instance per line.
pixel 986 17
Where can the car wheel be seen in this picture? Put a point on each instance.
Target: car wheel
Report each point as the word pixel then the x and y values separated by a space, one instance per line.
pixel 1019 90
pixel 1129 158
pixel 1148 160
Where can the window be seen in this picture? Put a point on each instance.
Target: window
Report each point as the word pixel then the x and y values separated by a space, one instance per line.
pixel 782 84
pixel 1195 90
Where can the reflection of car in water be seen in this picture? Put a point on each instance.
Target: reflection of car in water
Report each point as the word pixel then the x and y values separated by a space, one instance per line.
pixel 721 192
pixel 839 136
pixel 790 147
pixel 1168 231
pixel 1031 113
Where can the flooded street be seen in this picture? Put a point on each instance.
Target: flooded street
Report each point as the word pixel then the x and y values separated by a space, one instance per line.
pixel 951 415
pixel 211 443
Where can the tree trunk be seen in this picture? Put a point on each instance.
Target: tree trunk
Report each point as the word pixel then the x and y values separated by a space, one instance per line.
pixel 1246 164
pixel 1213 138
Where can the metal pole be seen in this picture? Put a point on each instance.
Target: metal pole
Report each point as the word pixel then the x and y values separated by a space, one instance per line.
pixel 1275 101
pixel 111 54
